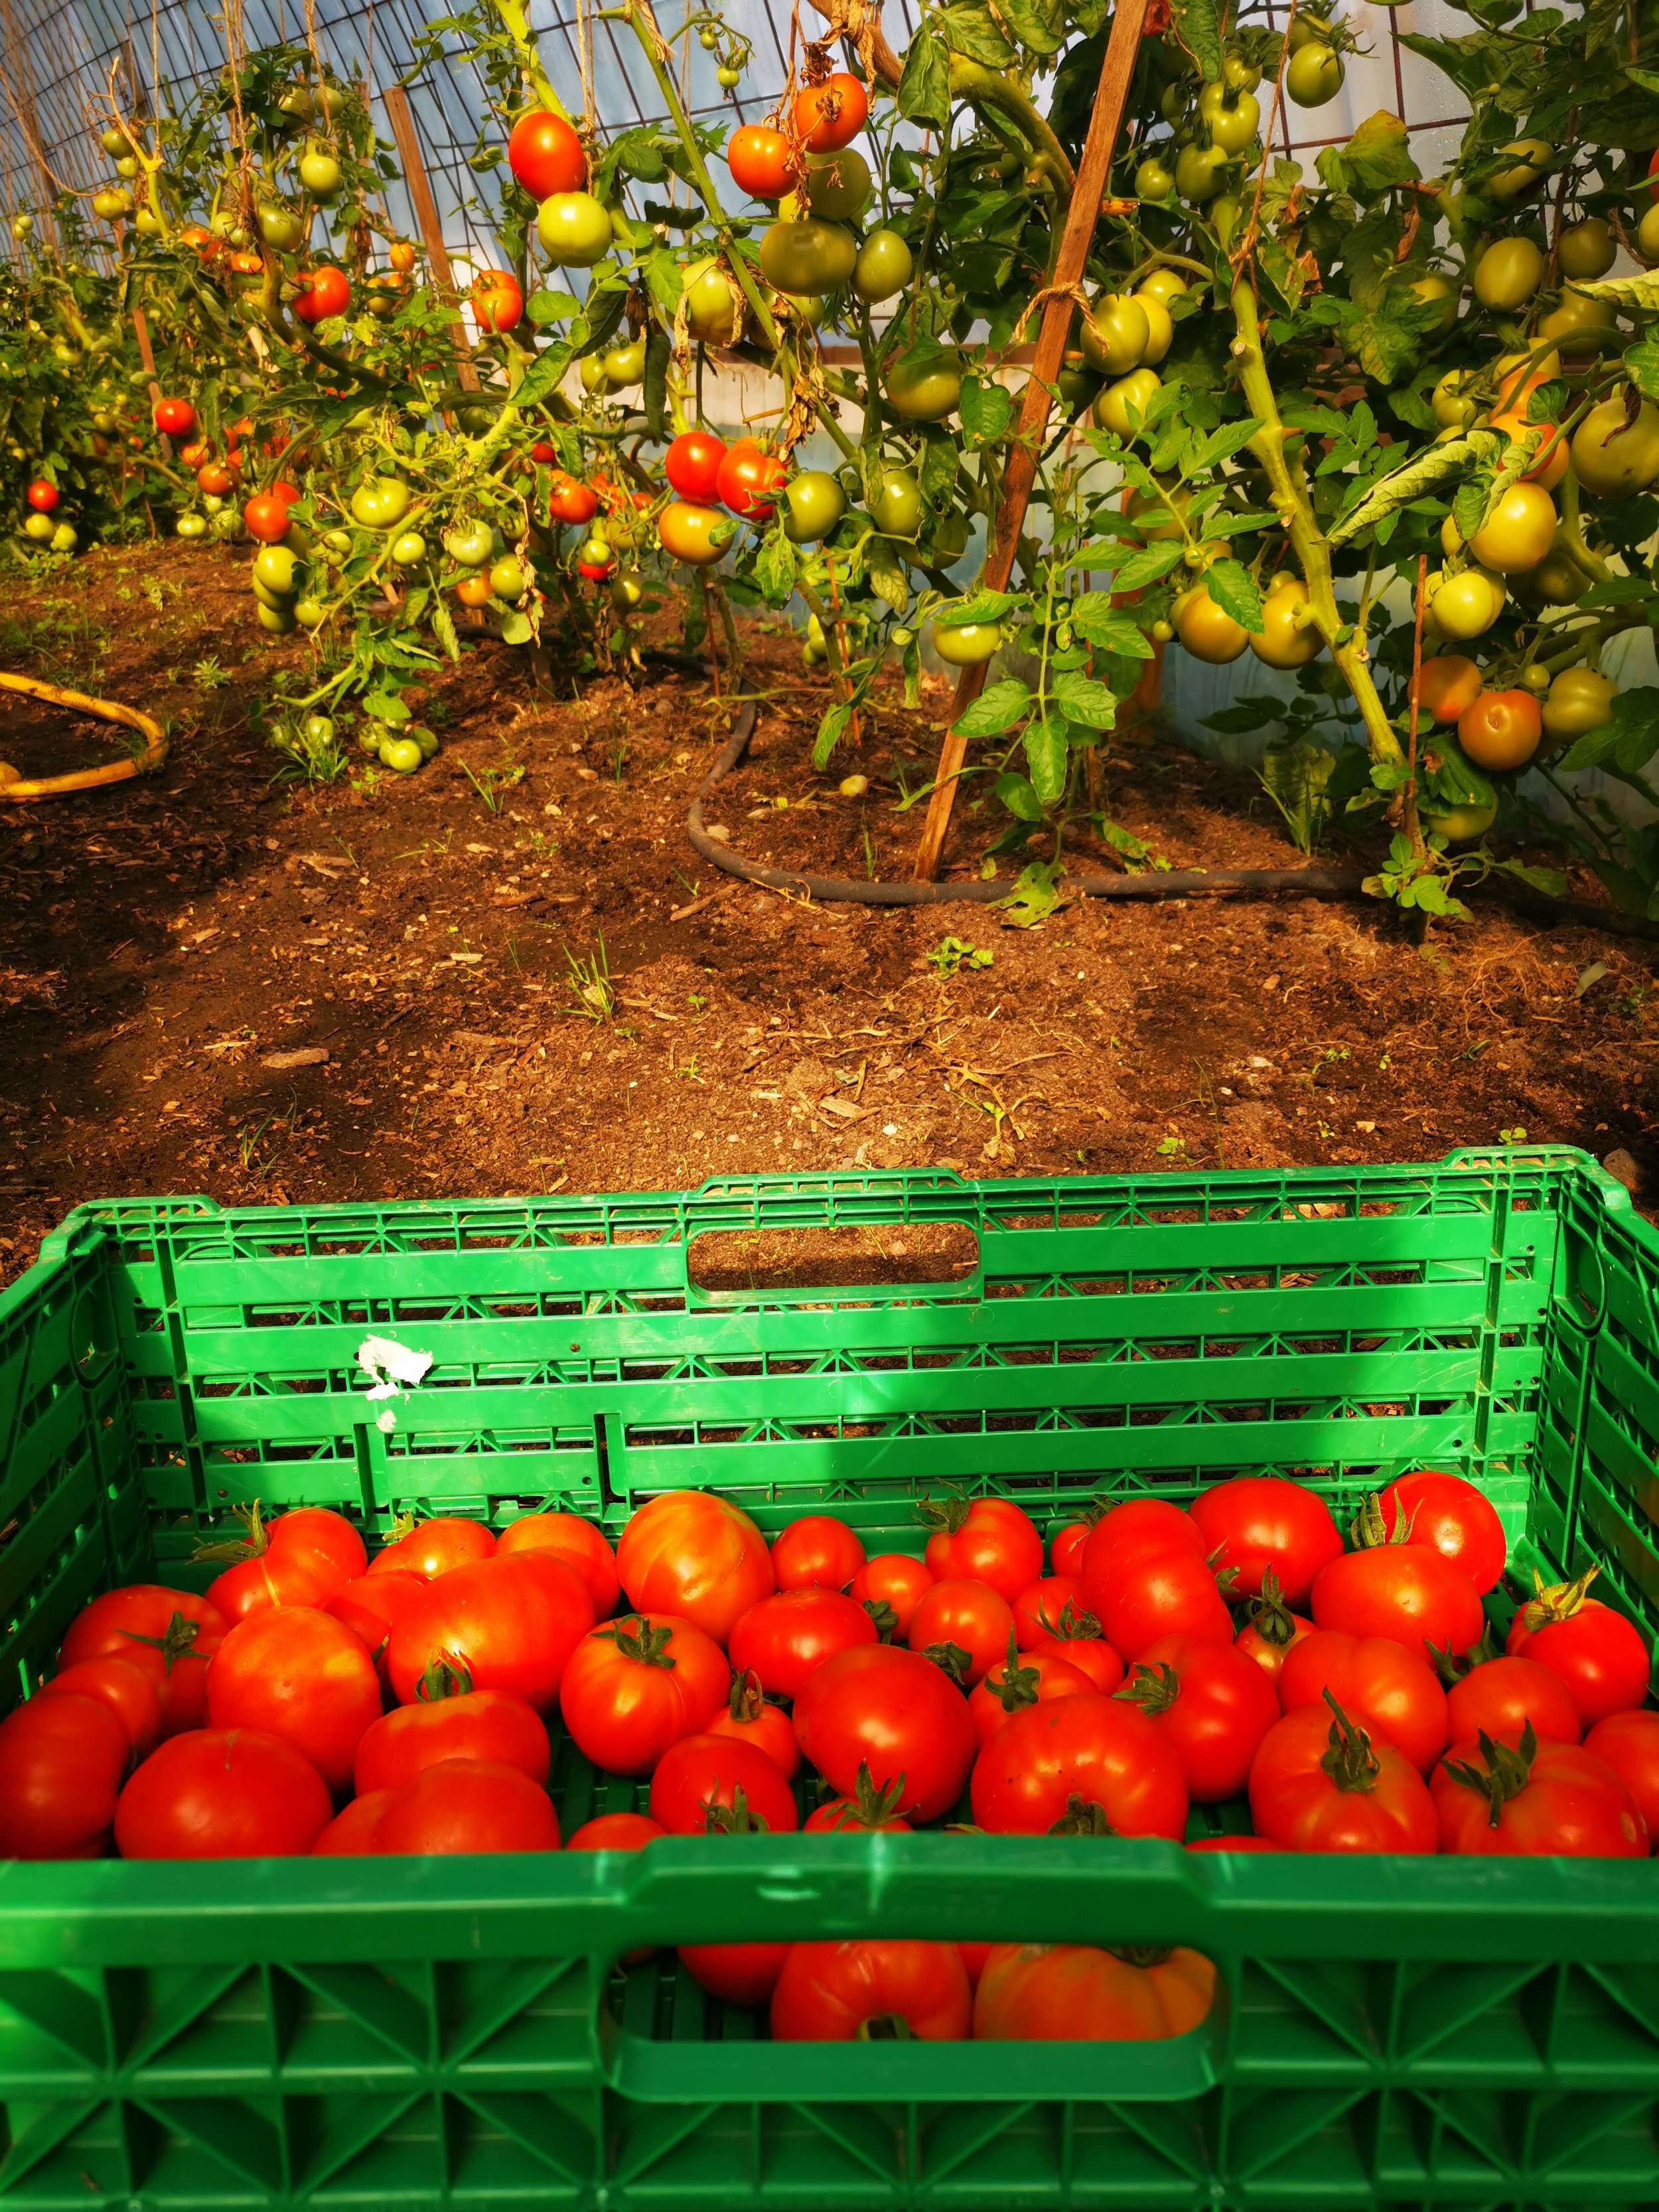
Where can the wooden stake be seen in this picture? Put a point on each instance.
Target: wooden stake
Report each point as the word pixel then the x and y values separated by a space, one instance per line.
pixel 1020 475
pixel 402 119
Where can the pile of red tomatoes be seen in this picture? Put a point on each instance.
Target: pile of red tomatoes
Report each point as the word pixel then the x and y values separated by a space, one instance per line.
pixel 1239 1650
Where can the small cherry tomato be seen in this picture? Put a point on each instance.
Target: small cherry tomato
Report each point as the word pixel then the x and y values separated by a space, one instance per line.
pixel 831 114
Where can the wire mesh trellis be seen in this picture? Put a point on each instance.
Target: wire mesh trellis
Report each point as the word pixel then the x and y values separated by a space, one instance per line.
pixel 59 55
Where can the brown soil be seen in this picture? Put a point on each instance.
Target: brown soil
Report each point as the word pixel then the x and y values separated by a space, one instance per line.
pixel 216 983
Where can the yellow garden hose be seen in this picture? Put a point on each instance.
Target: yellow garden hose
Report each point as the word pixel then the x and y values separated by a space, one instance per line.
pixel 14 789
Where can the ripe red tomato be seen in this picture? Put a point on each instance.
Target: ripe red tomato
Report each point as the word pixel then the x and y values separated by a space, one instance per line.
pixel 301 1559
pixel 1321 1783
pixel 892 1585
pixel 570 502
pixel 1087 1766
pixel 1024 1678
pixel 63 1760
pixel 1173 1594
pixel 1271 1629
pixel 578 1543
pixel 714 1784
pixel 545 156
pixel 987 1541
pixel 371 1607
pixel 831 114
pixel 1628 1743
pixel 842 1992
pixel 1408 1591
pixel 1501 1696
pixel 264 517
pixel 1141 1529
pixel 785 1637
pixel 43 495
pixel 301 1675
pixel 975 1957
pixel 748 1718
pixel 171 1635
pixel 748 478
pixel 222 1794
pixel 433 1548
pixel 737 1973
pixel 1458 1520
pixel 690 1553
pixel 1233 1843
pixel 1090 1654
pixel 512 1624
pixel 759 160
pixel 1261 1524
pixel 488 1724
pixel 1071 1992
pixel 1066 1549
pixel 174 416
pixel 1534 1801
pixel 867 1809
pixel 616 1832
pixel 962 1627
pixel 638 1685
pixel 466 1805
pixel 127 1690
pixel 896 1713
pixel 322 293
pixel 1599 1655
pixel 497 300
pixel 692 465
pixel 1386 1687
pixel 351 1833
pixel 819 1549
pixel 215 477
pixel 1210 1703
pixel 1040 1606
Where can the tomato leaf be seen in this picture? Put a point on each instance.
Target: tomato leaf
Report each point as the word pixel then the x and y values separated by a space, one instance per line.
pixel 1635 725
pixel 775 566
pixel 924 92
pixel 1018 796
pixel 1094 619
pixel 1042 32
pixel 1146 566
pixel 516 626
pixel 969 29
pixel 1642 362
pixel 995 710
pixel 657 354
pixel 1083 700
pixel 887 572
pixel 1046 745
pixel 987 410
pixel 1034 897
pixel 545 307
pixel 977 607
pixel 831 730
pixel 1221 445
pixel 938 473
pixel 1376 158
pixel 1197 25
pixel 1234 590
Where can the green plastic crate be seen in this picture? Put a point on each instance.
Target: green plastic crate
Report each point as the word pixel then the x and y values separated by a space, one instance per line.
pixel 403 2033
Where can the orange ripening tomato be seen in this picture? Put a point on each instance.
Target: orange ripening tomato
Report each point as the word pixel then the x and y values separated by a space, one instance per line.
pixel 582 1547
pixel 831 114
pixel 1550 463
pixel 758 158
pixel 1500 730
pixel 546 156
pixel 192 455
pixel 497 300
pixel 1448 684
pixel 214 477
pixel 691 1553
pixel 1071 1992
pixel 473 591
pixel 265 517
pixel 840 1992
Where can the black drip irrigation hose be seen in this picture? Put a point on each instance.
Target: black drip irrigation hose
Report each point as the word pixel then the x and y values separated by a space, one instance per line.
pixel 1176 883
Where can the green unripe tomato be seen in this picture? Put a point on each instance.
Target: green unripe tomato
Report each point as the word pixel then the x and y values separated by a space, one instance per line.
pixel 882 268
pixel 897 507
pixel 837 185
pixel 1528 160
pixel 277 570
pixel 1586 250
pixel 280 228
pixel 226 526
pixel 926 387
pixel 1647 235
pixel 627 590
pixel 725 76
pixel 310 614
pixel 968 645
pixel 115 139
pixel 279 620
pixel 1435 290
pixel 625 365
pixel 1581 699
pixel 1451 410
pixel 1238 75
pixel 187 526
pixel 1313 75
pixel 1115 334
pixel 574 229
pixel 425 739
pixel 320 175
pixel 1310 28
pixel 409 549
pixel 816 504
pixel 23 226
pixel 380 502
pixel 403 756
pixel 1459 825
pixel 1153 181
pixel 1232 123
pixel 807 256
pixel 1197 174
pixel 470 545
pixel 372 736
pixel 319 729
pixel 591 369
pixel 1508 273
pixel 1134 390
pixel 950 539
pixel 506 578
pixel 65 537
pixel 127 168
pixel 714 307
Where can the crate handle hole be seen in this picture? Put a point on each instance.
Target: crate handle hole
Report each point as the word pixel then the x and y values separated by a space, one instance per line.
pixel 865 1257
